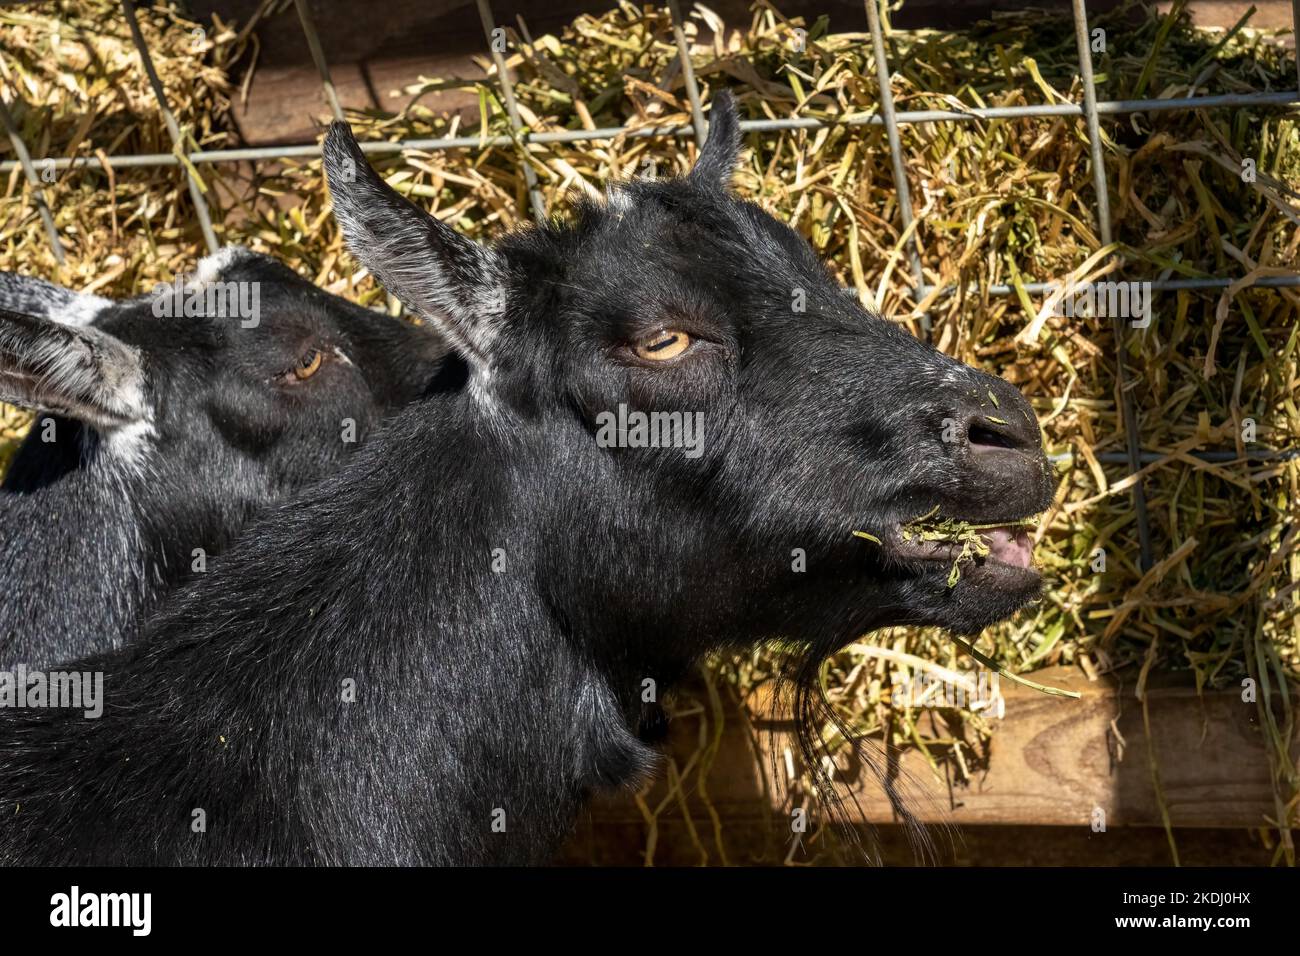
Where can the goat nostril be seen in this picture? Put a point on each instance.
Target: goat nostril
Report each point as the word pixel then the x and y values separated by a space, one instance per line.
pixel 983 434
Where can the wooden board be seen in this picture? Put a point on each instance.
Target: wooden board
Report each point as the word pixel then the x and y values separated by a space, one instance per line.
pixel 606 843
pixel 1054 761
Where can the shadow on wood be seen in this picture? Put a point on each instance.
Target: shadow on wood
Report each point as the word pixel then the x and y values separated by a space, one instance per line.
pixel 1058 767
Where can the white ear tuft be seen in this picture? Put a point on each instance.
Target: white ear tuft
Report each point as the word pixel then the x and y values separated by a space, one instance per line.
pixel 81 372
pixel 453 282
pixel 32 296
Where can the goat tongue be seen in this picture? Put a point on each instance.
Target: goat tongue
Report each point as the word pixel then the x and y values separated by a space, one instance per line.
pixel 1010 546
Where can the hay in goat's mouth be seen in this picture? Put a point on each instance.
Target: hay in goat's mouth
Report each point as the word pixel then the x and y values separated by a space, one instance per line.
pixel 966 538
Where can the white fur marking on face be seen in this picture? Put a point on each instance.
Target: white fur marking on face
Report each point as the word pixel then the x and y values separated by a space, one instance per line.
pixel 129 446
pixel 82 311
pixel 480 388
pixel 211 268
pixel 618 201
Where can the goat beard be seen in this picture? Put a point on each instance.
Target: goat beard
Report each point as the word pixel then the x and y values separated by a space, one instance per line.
pixel 799 688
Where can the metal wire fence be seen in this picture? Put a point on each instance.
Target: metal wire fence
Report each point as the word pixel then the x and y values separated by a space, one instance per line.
pixel 1090 110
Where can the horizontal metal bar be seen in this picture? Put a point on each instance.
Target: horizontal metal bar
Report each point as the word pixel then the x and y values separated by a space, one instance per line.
pixel 1213 456
pixel 1157 285
pixel 312 150
pixel 1105 107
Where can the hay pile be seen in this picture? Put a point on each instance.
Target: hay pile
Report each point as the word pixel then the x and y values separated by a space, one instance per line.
pixel 997 202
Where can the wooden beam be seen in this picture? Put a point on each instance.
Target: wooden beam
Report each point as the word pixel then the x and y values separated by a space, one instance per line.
pixel 1053 761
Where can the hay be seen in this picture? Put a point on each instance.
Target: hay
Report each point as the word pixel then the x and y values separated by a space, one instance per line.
pixel 997 201
pixel 967 535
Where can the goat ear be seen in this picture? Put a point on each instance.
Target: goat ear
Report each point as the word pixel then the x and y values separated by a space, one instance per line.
pixel 721 150
pixel 81 372
pixel 452 281
pixel 32 296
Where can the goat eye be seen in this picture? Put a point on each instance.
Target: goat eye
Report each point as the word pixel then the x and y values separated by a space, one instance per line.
pixel 663 346
pixel 308 365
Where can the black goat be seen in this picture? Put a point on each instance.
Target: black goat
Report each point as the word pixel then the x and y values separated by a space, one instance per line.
pixel 170 431
pixel 434 660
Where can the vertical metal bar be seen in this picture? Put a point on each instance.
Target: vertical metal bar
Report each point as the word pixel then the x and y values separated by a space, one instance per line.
pixel 173 128
pixel 33 181
pixel 688 73
pixel 331 95
pixel 508 94
pixel 896 152
pixel 1295 37
pixel 1132 443
pixel 318 57
pixel 1090 113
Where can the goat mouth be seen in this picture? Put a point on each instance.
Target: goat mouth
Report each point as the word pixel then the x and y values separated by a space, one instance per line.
pixel 962 545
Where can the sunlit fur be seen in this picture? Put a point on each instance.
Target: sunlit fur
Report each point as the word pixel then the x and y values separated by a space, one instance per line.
pixel 500 587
